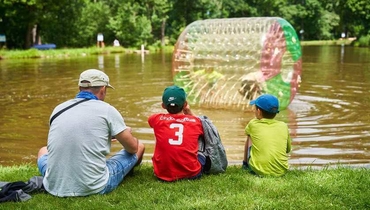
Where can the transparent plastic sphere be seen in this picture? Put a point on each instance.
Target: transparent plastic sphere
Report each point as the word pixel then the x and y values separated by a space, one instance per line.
pixel 228 62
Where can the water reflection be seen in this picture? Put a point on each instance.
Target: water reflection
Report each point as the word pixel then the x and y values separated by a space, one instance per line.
pixel 101 62
pixel 328 119
pixel 116 61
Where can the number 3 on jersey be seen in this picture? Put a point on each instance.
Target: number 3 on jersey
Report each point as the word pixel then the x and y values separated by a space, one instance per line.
pixel 178 133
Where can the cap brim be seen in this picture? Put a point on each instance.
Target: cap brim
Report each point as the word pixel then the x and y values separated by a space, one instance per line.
pixel 252 102
pixel 110 86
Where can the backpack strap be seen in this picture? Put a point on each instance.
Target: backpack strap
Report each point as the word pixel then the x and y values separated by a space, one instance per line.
pixel 201 144
pixel 65 109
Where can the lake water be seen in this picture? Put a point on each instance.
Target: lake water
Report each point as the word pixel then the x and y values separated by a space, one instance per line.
pixel 328 118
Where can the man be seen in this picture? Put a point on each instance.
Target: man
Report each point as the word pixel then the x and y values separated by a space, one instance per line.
pixel 74 162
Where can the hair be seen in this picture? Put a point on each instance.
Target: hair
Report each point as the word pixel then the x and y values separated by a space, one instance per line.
pixel 94 89
pixel 265 114
pixel 174 109
pixel 249 88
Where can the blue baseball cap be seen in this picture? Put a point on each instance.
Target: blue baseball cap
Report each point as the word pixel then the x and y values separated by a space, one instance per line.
pixel 174 95
pixel 267 102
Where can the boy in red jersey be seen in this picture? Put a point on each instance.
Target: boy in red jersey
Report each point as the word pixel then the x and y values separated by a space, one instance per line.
pixel 176 150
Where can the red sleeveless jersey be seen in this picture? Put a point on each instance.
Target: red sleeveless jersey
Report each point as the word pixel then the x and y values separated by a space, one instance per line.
pixel 176 148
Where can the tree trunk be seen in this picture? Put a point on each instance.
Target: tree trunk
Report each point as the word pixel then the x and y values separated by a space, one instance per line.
pixel 38 37
pixel 163 28
pixel 27 44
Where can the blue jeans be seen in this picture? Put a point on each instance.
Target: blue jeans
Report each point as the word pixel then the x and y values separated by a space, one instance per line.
pixel 119 165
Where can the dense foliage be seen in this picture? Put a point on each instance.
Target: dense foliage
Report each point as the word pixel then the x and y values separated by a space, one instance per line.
pixel 76 23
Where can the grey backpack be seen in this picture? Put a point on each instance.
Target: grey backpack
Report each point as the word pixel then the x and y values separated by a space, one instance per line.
pixel 211 146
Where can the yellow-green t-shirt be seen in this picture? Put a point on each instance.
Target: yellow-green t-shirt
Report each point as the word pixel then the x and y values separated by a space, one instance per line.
pixel 270 144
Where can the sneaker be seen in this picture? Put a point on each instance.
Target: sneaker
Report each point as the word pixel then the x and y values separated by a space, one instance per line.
pixel 245 166
pixel 207 166
pixel 131 172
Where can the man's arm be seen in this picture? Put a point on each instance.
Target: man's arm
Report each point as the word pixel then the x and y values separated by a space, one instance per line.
pixel 128 141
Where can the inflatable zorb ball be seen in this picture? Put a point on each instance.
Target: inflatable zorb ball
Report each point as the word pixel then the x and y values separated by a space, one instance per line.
pixel 228 62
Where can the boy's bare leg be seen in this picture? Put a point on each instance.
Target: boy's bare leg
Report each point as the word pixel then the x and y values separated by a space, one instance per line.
pixel 248 144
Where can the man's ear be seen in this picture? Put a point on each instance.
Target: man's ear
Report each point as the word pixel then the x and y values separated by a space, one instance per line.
pixel 103 88
pixel 101 93
pixel 163 106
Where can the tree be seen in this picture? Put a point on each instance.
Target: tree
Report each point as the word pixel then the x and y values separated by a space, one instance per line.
pixel 130 25
pixel 18 19
pixel 237 8
pixel 187 11
pixel 318 23
pixel 356 18
pixel 92 19
pixel 157 12
pixel 76 23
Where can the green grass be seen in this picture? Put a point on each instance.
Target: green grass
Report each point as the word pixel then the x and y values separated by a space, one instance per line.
pixel 330 188
pixel 55 53
pixel 34 53
pixel 327 42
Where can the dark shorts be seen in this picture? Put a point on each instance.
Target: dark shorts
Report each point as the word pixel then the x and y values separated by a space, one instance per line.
pixel 247 167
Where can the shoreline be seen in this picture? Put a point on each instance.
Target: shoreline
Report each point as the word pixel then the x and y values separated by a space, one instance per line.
pixel 78 52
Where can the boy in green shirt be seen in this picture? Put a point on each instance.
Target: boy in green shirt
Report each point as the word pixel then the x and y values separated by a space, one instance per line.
pixel 268 141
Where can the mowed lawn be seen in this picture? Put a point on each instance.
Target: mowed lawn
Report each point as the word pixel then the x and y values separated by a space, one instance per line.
pixel 329 188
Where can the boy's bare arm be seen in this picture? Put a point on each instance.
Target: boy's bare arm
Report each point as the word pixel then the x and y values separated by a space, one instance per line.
pixel 289 143
pixel 187 110
pixel 247 144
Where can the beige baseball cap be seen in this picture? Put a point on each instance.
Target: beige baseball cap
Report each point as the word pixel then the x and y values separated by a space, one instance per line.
pixel 93 78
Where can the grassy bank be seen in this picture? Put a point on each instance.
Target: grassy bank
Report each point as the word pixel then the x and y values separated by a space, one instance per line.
pixel 334 188
pixel 327 42
pixel 55 53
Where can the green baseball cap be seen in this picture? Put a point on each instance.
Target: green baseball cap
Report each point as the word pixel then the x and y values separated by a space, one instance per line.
pixel 174 95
